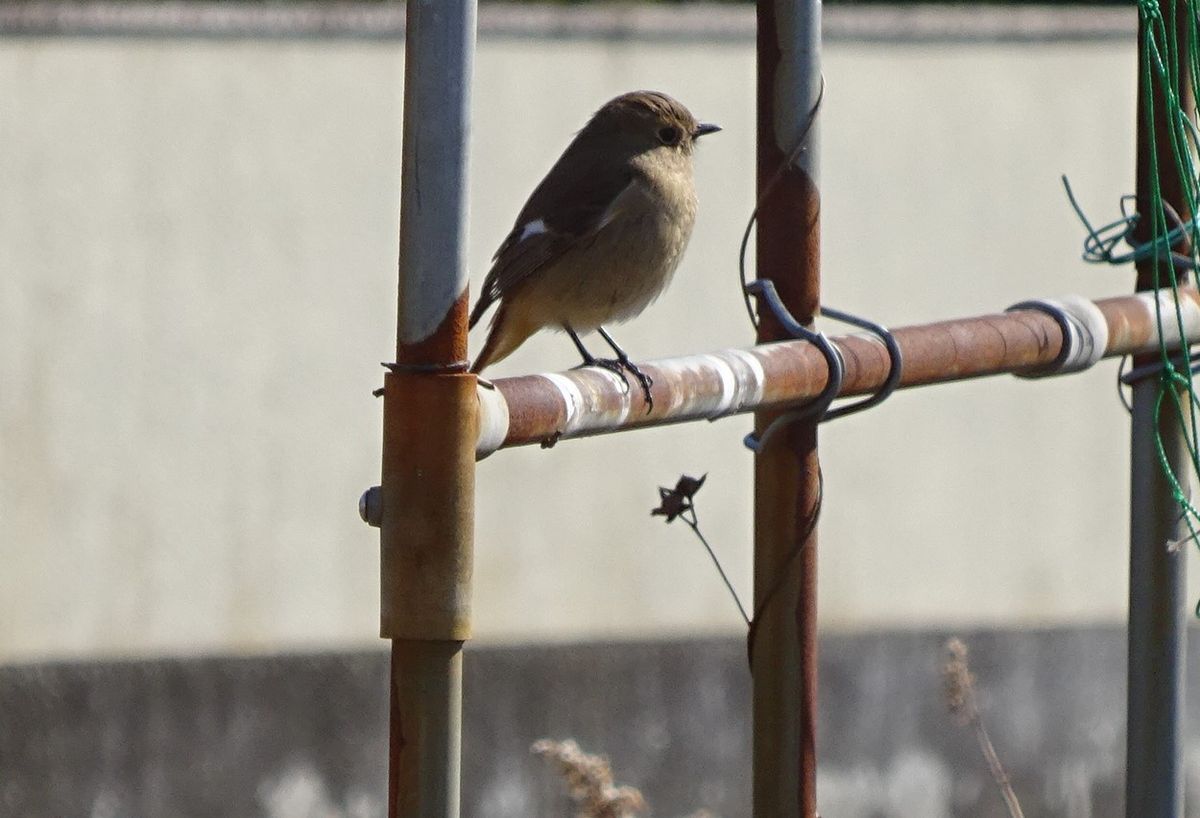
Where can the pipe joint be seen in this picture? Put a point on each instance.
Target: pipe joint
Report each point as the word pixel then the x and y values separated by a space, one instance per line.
pixel 1084 334
pixel 427 499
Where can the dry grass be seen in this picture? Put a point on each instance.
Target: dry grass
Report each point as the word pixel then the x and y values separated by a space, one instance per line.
pixel 963 704
pixel 590 782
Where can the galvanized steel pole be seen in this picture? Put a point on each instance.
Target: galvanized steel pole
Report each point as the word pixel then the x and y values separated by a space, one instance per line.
pixel 786 473
pixel 1157 562
pixel 429 465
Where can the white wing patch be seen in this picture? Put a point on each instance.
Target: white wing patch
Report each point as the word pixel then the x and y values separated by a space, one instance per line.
pixel 533 228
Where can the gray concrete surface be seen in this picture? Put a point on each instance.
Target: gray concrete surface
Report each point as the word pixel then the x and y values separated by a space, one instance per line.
pixel 304 736
pixel 710 21
pixel 197 253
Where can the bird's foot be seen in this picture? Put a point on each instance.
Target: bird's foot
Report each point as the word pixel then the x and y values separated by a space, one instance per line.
pixel 642 378
pixel 620 366
pixel 611 364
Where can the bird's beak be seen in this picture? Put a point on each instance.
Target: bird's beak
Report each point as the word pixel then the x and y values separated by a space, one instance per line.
pixel 704 129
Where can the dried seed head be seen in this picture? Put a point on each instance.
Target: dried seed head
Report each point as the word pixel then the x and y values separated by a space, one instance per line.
pixel 958 683
pixel 590 781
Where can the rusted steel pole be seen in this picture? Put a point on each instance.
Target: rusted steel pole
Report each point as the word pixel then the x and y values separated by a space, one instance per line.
pixel 430 422
pixel 1158 607
pixel 783 646
pixel 558 406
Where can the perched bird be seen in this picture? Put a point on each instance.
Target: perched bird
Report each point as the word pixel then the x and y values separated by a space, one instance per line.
pixel 600 237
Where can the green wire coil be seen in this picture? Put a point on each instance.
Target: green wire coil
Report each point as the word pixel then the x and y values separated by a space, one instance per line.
pixel 1164 48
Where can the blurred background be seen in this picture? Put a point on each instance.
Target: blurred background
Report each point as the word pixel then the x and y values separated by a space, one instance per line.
pixel 198 233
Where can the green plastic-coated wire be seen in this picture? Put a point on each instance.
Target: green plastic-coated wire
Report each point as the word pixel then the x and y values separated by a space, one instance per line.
pixel 1169 54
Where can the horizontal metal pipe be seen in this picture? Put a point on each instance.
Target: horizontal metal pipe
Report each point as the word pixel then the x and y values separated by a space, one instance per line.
pixel 549 407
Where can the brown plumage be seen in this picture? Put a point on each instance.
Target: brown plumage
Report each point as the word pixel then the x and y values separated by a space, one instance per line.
pixel 600 237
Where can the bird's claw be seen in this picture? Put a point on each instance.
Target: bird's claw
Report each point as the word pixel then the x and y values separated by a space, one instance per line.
pixel 620 367
pixel 612 365
pixel 601 363
pixel 645 380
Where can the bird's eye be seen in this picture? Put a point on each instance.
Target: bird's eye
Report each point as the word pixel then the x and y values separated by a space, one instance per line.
pixel 670 135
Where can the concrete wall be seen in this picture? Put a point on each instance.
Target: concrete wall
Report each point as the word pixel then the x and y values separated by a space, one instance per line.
pixel 305 736
pixel 197 254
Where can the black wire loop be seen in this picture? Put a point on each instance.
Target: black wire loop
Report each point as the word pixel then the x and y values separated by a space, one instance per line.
pixel 764 290
pixel 895 357
pixel 1154 369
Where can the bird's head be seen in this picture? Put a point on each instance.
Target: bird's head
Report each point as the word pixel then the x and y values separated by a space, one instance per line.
pixel 649 120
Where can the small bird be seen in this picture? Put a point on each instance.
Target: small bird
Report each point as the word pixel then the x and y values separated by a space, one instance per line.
pixel 600 237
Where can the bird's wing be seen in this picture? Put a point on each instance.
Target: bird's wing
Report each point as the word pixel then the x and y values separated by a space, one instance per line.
pixel 560 211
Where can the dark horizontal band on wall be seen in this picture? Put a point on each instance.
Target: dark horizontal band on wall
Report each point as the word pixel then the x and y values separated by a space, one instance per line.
pixel 284 735
pixel 699 22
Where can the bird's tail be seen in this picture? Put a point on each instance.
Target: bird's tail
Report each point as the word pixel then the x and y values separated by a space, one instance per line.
pixel 480 308
pixel 506 334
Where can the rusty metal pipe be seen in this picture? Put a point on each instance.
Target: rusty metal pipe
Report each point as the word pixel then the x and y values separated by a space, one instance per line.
pixel 783 659
pixel 426 500
pixel 540 408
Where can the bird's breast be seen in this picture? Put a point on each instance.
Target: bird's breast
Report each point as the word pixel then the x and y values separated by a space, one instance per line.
pixel 615 273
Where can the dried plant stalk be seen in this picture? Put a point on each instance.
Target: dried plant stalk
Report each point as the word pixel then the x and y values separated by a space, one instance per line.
pixel 960 699
pixel 590 781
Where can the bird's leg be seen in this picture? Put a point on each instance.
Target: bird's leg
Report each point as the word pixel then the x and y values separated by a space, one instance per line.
pixel 591 360
pixel 623 360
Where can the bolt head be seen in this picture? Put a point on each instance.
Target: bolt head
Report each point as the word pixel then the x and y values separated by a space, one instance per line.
pixel 370 506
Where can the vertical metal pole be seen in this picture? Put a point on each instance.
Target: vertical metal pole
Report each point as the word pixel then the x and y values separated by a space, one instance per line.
pixel 786 474
pixel 1157 603
pixel 430 422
